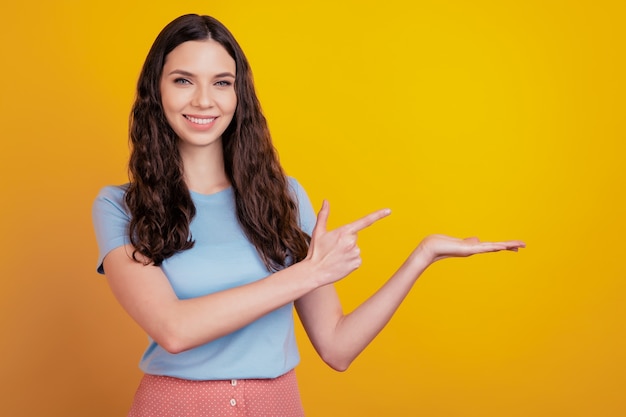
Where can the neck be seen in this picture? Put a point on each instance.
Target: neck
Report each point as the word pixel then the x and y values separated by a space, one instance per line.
pixel 204 168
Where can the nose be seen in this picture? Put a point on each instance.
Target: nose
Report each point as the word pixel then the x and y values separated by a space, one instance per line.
pixel 202 98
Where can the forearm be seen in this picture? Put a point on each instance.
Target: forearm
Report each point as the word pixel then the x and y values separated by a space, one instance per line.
pixel 357 329
pixel 178 325
pixel 350 334
pixel 332 255
pixel 200 320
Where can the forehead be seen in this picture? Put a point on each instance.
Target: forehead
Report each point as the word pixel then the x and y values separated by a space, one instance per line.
pixel 199 57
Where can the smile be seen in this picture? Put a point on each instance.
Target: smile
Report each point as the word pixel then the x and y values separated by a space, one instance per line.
pixel 199 121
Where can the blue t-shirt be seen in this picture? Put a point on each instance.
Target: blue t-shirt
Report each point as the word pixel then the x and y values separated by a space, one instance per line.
pixel 221 258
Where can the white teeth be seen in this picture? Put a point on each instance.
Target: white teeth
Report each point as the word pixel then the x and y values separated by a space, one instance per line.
pixel 200 121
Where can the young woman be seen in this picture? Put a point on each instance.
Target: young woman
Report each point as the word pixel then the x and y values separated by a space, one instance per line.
pixel 210 245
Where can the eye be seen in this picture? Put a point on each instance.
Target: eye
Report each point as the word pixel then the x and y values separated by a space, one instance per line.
pixel 223 83
pixel 182 81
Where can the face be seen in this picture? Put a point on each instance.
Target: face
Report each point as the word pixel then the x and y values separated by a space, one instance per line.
pixel 198 93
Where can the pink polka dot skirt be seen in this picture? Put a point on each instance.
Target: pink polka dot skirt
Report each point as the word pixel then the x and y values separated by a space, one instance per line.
pixel 163 396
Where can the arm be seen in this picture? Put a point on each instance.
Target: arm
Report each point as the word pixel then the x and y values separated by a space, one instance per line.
pixel 340 338
pixel 177 325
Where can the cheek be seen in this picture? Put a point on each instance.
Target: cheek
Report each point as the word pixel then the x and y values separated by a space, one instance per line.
pixel 168 100
pixel 173 98
pixel 168 111
pixel 169 107
pixel 233 103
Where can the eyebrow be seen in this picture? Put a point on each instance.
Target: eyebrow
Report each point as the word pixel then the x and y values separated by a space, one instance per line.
pixel 188 74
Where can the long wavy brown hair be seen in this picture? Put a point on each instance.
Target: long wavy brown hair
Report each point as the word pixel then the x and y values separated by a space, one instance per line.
pixel 159 201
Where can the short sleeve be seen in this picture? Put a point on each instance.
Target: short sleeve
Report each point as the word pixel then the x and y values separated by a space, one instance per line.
pixel 305 209
pixel 110 220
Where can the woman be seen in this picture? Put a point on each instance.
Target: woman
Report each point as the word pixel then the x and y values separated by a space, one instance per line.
pixel 210 245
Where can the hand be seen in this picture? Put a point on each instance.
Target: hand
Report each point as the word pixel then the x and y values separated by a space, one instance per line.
pixel 436 247
pixel 335 253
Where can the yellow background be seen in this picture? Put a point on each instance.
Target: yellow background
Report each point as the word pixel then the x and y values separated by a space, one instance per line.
pixel 497 119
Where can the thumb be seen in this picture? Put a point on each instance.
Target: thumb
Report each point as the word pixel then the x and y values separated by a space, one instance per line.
pixel 322 218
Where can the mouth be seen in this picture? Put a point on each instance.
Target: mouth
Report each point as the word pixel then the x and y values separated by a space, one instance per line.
pixel 200 120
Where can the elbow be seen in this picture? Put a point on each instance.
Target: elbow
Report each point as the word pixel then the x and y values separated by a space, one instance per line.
pixel 172 339
pixel 339 367
pixel 171 345
pixel 178 335
pixel 336 361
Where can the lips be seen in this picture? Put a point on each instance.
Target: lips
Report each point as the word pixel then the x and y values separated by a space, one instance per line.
pixel 200 120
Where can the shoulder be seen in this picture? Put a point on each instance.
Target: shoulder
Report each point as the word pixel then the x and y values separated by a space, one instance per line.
pixel 297 192
pixel 305 209
pixel 110 220
pixel 294 187
pixel 111 199
pixel 112 192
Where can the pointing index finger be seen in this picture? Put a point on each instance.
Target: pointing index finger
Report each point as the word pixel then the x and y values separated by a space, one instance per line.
pixel 367 221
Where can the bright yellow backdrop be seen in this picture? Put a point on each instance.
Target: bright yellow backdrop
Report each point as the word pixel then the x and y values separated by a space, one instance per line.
pixel 489 118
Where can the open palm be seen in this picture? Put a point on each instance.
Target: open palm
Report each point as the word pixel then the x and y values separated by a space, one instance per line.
pixel 437 247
